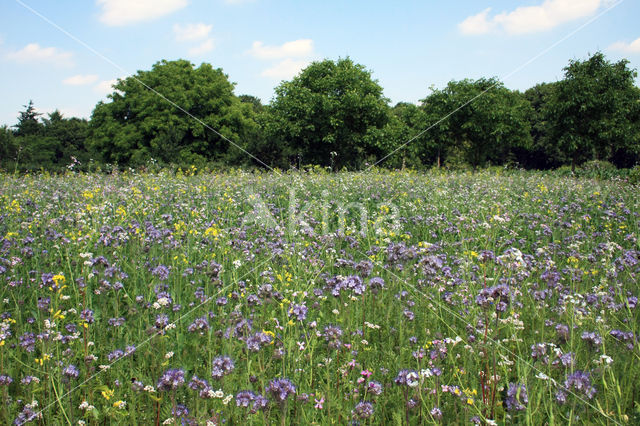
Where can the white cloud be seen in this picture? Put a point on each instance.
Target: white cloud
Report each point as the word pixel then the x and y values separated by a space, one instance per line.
pixel 202 48
pixel 285 69
pixel 80 80
pixel 297 49
pixel 33 52
pixel 105 86
pixel 530 19
pixel 124 12
pixel 476 24
pixel 191 32
pixel 633 47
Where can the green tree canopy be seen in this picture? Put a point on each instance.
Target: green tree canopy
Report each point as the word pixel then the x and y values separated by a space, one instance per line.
pixel 482 119
pixel 330 107
pixel 28 121
pixel 594 110
pixel 138 124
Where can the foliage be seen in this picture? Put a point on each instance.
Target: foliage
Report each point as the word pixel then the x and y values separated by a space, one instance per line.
pixel 594 110
pixel 330 107
pixel 482 119
pixel 138 125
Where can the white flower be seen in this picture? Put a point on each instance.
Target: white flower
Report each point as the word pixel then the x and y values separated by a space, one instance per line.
pixel 168 355
pixel 227 399
pixel 169 421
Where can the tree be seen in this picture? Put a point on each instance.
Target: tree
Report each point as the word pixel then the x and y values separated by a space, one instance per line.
pixel 482 119
pixel 69 136
pixel 544 152
pixel 28 123
pixel 138 124
pixel 400 139
pixel 330 107
pixel 8 149
pixel 595 108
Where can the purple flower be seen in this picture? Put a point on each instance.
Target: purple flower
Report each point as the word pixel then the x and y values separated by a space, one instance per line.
pixel 43 303
pixel 118 353
pixel 171 380
pixel 539 352
pixel 592 338
pixel 161 271
pixel 257 340
pixel 28 342
pixel 517 398
pixel 498 295
pixel 221 366
pixel 244 398
pixel 436 413
pixel 363 410
pixel 374 388
pixel 71 372
pixel 281 388
pixel 162 320
pixel 199 325
pixel 87 316
pixel 376 284
pixel 563 332
pixel 5 380
pixel 332 334
pixel 407 377
pixel 299 311
pixel 259 403
pixel 579 381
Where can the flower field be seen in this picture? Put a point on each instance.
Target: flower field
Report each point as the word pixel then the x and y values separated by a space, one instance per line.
pixel 314 298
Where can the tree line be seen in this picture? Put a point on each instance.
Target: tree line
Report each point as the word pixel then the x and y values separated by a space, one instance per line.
pixel 334 114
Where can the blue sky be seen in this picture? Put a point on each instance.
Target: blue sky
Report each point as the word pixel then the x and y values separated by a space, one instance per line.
pixel 409 46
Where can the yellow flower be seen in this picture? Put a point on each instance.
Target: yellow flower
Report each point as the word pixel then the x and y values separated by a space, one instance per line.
pixel 107 394
pixel 59 279
pixel 119 403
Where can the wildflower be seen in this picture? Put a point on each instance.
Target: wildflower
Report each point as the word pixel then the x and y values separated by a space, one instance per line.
pixel 5 380
pixel 120 404
pixel 592 338
pixel 244 398
pixel 332 334
pixel 222 366
pixel 579 381
pixel 87 316
pixel 319 403
pixel 436 413
pixel 71 372
pixel 281 388
pixel 517 398
pixel 299 311
pixel 171 380
pixel 363 410
pixel 107 394
pixel 161 271
pixel 407 377
pixel 257 340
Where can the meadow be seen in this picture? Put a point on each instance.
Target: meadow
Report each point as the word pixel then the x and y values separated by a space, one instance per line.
pixel 496 297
